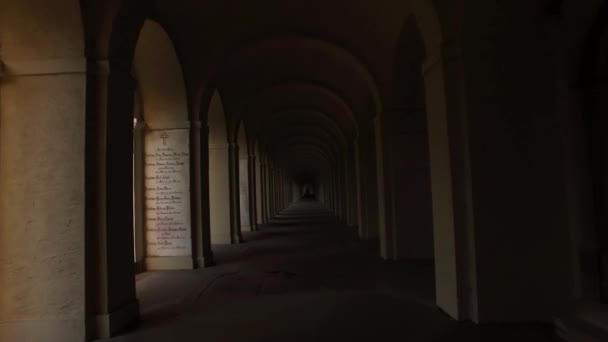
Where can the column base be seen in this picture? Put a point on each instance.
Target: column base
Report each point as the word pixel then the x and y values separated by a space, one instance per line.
pixel 140 266
pixel 221 239
pixel 201 263
pixel 237 239
pixel 169 263
pixel 108 325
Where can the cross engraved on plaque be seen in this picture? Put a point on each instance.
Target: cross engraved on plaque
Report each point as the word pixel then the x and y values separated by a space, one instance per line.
pixel 164 136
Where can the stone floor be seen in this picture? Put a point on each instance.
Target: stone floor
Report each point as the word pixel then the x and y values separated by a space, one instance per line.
pixel 303 277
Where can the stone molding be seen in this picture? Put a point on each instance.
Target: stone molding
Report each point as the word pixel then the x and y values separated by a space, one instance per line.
pixel 44 67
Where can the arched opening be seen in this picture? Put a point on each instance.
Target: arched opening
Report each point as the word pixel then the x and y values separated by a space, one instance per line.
pixel 165 129
pixel 403 154
pixel 220 203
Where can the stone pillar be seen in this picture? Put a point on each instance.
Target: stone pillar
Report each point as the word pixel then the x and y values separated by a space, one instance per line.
pixel 278 190
pixel 263 190
pixel 267 193
pixel 515 151
pixel 343 189
pixel 139 196
pixel 219 194
pixel 253 192
pixel 352 188
pixel 244 190
pixel 295 192
pixel 42 197
pixel 369 184
pixel 110 272
pixel 259 195
pixel 331 192
pixel 236 234
pixel 383 166
pixel 361 204
pixel 406 232
pixel 452 207
pixel 272 192
pixel 199 192
pixel 284 200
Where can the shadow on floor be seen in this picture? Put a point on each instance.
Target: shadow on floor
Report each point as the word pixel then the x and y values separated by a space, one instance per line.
pixel 299 279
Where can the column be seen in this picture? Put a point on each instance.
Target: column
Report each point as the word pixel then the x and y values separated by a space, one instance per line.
pixel 406 227
pixel 199 191
pixel 369 184
pixel 42 201
pixel 253 192
pixel 271 191
pixel 361 204
pixel 352 187
pixel 139 196
pixel 110 273
pixel 263 190
pixel 244 190
pixel 234 189
pixel 219 194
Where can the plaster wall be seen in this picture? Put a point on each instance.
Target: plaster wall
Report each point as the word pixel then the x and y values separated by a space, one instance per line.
pixel 42 106
pixel 42 207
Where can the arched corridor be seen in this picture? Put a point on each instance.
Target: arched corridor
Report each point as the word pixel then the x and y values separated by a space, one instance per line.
pixel 412 170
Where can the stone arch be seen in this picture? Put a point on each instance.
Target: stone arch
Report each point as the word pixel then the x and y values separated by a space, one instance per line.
pixel 221 148
pixel 302 117
pixel 164 128
pixel 406 229
pixel 119 33
pixel 299 94
pixel 43 100
pixel 158 73
pixel 297 42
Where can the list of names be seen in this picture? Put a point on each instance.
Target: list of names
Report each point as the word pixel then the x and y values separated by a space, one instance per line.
pixel 167 190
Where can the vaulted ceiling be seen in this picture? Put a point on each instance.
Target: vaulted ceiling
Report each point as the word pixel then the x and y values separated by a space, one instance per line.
pixel 313 71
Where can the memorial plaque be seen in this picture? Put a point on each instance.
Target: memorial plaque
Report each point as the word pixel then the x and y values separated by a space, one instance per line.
pixel 167 181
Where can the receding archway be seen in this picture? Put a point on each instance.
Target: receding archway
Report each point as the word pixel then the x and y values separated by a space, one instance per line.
pixel 403 156
pixel 166 151
pixel 220 202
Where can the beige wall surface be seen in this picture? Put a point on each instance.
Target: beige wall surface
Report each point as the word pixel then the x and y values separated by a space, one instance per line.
pixel 42 106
